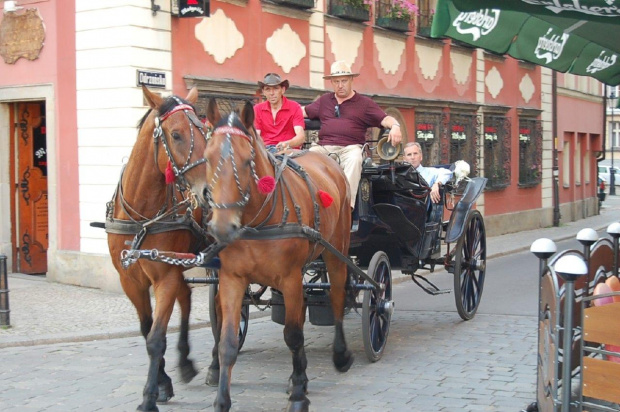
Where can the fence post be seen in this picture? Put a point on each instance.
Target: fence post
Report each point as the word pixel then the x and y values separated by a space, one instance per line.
pixel 5 320
pixel 543 249
pixel 569 268
pixel 587 237
pixel 614 231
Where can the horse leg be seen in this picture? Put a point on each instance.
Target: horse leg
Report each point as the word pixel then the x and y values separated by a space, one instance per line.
pixel 342 357
pixel 136 288
pixel 213 373
pixel 294 338
pixel 186 365
pixel 157 382
pixel 231 292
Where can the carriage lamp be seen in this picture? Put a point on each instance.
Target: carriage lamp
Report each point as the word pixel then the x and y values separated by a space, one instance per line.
pixel 569 268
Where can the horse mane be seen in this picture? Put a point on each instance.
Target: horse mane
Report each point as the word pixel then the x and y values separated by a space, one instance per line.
pixel 141 121
pixel 168 104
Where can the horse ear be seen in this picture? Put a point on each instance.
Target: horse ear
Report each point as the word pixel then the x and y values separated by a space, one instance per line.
pixel 213 112
pixel 247 115
pixel 154 100
pixel 192 96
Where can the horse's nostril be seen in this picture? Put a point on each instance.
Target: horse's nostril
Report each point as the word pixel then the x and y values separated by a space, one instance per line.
pixel 205 194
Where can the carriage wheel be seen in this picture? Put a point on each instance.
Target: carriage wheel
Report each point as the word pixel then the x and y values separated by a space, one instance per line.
pixel 470 266
pixel 243 322
pixel 377 307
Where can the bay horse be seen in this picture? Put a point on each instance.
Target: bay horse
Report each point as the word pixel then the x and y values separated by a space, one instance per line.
pixel 254 197
pixel 150 208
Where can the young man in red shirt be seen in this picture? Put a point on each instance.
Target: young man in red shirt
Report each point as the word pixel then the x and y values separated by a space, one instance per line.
pixel 278 120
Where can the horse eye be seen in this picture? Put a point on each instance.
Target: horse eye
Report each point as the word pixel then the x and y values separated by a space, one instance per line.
pixel 176 135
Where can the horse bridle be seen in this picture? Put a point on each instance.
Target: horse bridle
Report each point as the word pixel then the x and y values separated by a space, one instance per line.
pixel 227 151
pixel 179 172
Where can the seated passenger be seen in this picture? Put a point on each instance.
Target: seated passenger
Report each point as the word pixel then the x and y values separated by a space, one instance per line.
pixel 278 120
pixel 345 115
pixel 434 176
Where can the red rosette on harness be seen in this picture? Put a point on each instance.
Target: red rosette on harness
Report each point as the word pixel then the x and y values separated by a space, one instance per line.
pixel 266 184
pixel 325 198
pixel 169 174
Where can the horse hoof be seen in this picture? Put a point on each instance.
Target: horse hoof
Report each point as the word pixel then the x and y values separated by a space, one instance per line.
pixel 213 377
pixel 344 362
pixel 154 408
pixel 165 392
pixel 298 406
pixel 188 372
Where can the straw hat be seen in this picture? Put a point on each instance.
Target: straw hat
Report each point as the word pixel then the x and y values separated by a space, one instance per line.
pixel 273 79
pixel 340 68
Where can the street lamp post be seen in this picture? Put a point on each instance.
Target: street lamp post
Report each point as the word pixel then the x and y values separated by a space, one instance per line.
pixel 612 177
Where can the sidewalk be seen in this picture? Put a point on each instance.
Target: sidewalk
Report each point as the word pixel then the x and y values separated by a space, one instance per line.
pixel 43 312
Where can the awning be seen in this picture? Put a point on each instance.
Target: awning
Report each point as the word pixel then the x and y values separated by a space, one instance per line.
pixel 575 36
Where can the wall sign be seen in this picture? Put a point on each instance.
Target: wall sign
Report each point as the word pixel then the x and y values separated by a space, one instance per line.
pixel 524 134
pixel 490 134
pixel 458 132
pixel 194 8
pixel 425 131
pixel 21 35
pixel 151 79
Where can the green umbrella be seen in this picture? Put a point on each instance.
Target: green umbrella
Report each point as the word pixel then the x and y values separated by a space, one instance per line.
pixel 575 36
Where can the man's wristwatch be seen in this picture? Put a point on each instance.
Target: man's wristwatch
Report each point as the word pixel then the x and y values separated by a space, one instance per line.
pixel 395 124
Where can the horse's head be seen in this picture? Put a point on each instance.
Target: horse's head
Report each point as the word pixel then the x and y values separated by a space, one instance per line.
pixel 181 135
pixel 231 169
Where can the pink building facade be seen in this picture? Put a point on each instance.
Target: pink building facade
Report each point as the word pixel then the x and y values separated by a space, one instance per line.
pixel 79 95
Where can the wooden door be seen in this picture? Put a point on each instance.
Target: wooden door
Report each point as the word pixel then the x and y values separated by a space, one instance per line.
pixel 31 235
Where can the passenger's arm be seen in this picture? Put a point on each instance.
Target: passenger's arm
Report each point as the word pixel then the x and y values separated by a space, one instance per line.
pixel 444 175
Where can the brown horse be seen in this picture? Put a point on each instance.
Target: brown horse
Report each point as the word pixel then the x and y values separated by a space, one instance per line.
pixel 240 174
pixel 150 210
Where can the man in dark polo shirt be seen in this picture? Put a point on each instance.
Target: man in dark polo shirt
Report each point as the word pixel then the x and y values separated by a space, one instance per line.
pixel 345 116
pixel 278 120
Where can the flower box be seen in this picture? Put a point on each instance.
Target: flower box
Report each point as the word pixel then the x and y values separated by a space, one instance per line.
pixel 424 31
pixel 349 12
pixel 300 4
pixel 392 23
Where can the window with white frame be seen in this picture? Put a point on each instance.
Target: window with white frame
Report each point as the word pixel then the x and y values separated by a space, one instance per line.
pixel 578 159
pixel 614 133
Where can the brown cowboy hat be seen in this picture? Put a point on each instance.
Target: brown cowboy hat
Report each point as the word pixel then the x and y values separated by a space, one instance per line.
pixel 340 68
pixel 273 79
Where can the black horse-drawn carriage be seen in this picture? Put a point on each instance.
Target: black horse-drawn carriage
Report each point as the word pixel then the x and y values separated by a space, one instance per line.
pixel 399 229
pixel 264 218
